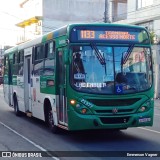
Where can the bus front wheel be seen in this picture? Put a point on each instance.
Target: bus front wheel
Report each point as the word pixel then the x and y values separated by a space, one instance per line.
pixel 51 124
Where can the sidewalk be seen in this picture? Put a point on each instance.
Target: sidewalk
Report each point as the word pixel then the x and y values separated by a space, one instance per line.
pixel 157 102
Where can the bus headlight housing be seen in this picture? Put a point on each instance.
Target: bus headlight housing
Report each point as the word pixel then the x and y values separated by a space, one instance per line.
pixel 79 107
pixel 145 107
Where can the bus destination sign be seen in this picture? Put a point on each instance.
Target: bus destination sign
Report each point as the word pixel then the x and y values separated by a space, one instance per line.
pixel 107 35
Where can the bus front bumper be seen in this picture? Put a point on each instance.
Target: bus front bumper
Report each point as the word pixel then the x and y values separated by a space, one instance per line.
pixel 78 121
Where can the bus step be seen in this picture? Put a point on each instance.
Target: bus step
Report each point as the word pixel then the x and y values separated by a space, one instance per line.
pixel 29 114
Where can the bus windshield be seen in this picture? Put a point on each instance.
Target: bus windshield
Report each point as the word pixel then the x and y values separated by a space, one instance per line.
pixel 111 69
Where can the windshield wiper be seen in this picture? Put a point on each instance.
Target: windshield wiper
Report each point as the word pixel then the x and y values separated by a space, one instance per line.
pixel 99 56
pixel 128 53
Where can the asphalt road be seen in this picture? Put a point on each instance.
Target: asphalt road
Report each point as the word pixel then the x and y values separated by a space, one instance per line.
pixel 29 134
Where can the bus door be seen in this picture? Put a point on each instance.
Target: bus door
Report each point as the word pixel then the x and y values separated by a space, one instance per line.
pixel 27 82
pixel 61 105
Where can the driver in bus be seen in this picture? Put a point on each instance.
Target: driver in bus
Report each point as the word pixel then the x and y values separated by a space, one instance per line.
pixel 78 64
pixel 78 68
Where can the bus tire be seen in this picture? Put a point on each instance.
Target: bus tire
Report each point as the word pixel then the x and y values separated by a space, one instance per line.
pixel 119 129
pixel 16 108
pixel 50 120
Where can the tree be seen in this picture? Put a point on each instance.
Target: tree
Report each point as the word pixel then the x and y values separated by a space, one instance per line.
pixel 155 39
pixel 152 37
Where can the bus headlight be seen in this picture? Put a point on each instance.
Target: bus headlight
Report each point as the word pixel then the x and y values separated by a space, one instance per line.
pixel 84 110
pixel 72 101
pixel 142 109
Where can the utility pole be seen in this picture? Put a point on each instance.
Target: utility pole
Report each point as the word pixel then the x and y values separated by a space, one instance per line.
pixel 106 15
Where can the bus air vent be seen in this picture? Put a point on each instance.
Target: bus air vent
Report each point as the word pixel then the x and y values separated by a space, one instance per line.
pixel 120 111
pixel 113 102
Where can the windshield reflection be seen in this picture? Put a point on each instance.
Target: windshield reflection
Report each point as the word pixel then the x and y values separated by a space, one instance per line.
pixel 111 70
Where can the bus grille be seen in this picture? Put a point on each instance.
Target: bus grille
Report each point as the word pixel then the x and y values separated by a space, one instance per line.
pixel 115 120
pixel 113 102
pixel 111 111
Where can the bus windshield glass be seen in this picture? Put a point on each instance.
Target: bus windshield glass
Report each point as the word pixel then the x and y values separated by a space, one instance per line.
pixel 111 69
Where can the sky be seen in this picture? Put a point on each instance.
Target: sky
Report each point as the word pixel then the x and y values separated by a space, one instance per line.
pixel 8 19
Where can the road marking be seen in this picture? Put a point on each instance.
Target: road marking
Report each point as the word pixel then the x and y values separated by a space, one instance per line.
pixel 28 140
pixel 149 130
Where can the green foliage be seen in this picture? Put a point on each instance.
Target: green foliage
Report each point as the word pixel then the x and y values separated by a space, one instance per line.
pixel 152 37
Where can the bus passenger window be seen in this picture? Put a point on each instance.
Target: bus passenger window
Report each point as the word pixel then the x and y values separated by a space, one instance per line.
pixel 14 58
pixel 38 62
pixel 5 68
pixel 38 53
pixel 15 63
pixel 20 64
pixel 49 58
pixel 49 50
pixel 5 60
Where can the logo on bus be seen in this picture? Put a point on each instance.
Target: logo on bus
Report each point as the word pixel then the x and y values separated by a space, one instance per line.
pixel 115 111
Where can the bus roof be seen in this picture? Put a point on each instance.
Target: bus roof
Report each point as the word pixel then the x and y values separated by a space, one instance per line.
pixel 64 31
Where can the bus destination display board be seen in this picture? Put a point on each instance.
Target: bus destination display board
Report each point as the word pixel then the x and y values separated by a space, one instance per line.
pixel 109 34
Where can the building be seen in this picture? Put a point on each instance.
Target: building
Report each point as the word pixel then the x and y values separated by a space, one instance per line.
pixel 144 13
pixel 42 16
pixel 1 56
pixel 31 20
pixel 139 12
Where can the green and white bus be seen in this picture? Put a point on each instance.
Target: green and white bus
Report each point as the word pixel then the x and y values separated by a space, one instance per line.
pixel 83 76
